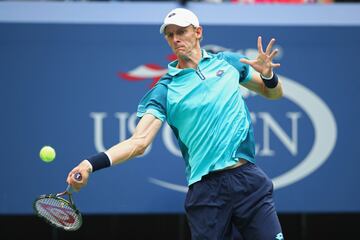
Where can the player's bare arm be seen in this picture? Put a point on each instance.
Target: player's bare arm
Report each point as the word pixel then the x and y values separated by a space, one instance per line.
pixel 263 65
pixel 257 85
pixel 143 136
pixel 136 145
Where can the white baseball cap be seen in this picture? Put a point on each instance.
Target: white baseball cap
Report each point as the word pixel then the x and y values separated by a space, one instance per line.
pixel 180 17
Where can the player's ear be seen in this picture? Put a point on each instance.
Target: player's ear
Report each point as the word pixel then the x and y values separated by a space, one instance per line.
pixel 199 32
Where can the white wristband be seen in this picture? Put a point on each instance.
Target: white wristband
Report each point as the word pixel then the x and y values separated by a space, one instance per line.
pixel 267 78
pixel 108 155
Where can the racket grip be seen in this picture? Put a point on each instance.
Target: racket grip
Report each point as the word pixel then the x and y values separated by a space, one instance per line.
pixel 77 177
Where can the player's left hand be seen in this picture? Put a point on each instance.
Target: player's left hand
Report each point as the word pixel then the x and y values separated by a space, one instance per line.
pixel 263 62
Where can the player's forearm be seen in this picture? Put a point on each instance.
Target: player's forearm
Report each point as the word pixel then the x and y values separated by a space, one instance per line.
pixel 142 137
pixel 126 150
pixel 136 145
pixel 273 93
pixel 119 153
pixel 258 85
pixel 272 88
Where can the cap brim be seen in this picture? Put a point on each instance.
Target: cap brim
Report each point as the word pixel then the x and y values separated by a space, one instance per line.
pixel 181 24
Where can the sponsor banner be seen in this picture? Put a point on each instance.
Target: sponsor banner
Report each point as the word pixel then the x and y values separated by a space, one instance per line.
pixel 76 88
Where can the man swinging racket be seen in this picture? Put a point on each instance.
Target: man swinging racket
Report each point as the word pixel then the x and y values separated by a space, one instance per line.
pixel 200 98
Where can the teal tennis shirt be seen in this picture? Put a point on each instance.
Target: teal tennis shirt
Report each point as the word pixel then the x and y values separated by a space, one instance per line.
pixel 206 111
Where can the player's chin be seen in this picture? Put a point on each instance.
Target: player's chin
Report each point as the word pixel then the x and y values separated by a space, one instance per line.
pixel 182 54
pixel 180 51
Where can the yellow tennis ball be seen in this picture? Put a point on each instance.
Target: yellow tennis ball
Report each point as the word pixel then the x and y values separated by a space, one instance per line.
pixel 47 154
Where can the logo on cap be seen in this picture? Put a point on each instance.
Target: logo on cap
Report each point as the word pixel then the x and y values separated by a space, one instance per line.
pixel 172 14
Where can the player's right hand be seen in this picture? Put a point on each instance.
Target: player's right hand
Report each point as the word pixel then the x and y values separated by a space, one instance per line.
pixel 84 168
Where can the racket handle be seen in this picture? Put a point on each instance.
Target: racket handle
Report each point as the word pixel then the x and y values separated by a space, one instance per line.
pixel 77 177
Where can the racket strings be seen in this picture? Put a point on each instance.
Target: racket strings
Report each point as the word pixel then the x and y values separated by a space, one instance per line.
pixel 58 212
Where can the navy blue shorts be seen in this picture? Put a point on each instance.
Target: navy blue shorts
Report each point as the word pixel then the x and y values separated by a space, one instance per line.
pixel 233 204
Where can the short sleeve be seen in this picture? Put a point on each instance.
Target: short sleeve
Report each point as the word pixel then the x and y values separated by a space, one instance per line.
pixel 234 59
pixel 154 102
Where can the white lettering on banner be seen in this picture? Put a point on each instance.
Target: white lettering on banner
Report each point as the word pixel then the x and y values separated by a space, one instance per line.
pixel 269 123
pixel 323 121
pixel 131 126
pixel 325 132
pixel 122 117
pixel 98 130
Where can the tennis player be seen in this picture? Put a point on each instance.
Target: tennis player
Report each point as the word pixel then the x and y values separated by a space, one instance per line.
pixel 200 99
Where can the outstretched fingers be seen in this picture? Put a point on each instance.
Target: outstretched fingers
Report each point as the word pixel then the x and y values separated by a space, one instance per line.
pixel 259 45
pixel 264 61
pixel 269 46
pixel 272 55
pixel 275 65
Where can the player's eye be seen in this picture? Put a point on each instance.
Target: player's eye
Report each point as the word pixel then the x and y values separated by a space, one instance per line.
pixel 181 32
pixel 169 35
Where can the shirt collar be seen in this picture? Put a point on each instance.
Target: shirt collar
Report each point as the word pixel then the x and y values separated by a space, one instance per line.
pixel 173 70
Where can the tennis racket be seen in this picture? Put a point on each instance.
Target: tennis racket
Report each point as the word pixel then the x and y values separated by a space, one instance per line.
pixel 58 211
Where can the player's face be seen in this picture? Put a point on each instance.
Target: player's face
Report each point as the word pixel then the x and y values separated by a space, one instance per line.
pixel 183 40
